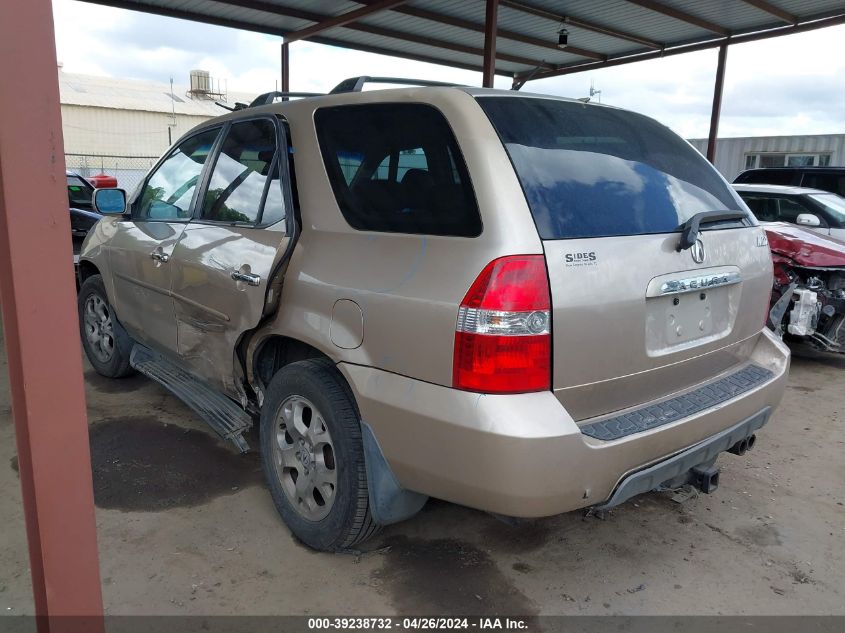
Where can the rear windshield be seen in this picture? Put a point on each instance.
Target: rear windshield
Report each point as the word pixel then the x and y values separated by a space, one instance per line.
pixel 591 171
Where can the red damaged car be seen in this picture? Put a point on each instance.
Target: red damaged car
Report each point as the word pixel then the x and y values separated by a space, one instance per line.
pixel 808 298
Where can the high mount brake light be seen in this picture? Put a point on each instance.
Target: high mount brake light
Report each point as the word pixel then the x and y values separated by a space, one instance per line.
pixel 503 334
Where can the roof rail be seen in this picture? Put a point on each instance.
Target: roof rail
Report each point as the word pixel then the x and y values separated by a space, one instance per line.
pixel 267 97
pixel 356 84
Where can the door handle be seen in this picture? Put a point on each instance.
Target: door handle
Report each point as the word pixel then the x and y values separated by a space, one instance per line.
pixel 248 278
pixel 160 256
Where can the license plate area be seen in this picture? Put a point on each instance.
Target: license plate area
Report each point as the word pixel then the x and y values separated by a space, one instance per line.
pixel 684 312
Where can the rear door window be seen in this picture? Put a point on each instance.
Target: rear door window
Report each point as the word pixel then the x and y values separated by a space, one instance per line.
pixel 594 171
pixel 397 168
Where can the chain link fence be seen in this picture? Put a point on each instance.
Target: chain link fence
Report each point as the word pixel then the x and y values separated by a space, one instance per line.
pixel 129 170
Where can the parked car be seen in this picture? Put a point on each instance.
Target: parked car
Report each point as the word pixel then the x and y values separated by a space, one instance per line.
pixel 519 303
pixel 830 179
pixel 83 217
pixel 808 296
pixel 813 209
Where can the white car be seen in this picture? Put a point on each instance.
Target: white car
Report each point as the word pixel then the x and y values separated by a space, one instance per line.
pixel 813 209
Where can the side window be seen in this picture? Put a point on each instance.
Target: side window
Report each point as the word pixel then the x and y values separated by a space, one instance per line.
pixel 245 179
pixel 397 168
pixel 790 209
pixel 168 192
pixel 763 208
pixel 825 182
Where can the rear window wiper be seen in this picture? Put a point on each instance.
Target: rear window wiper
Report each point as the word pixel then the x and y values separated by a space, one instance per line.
pixel 690 228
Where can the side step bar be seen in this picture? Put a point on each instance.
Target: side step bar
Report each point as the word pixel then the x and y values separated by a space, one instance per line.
pixel 222 414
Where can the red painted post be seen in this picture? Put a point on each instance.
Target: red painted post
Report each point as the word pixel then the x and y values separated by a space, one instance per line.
pixel 490 32
pixel 38 299
pixel 716 112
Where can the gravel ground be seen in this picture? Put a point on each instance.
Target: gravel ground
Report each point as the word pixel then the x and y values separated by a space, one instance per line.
pixel 186 527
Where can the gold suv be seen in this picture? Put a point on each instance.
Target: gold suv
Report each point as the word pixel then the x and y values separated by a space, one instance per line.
pixel 515 302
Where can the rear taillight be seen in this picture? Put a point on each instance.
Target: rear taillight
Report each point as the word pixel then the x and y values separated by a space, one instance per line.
pixel 502 339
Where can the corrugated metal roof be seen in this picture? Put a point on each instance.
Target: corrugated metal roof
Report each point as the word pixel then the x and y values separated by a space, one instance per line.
pixel 129 94
pixel 451 33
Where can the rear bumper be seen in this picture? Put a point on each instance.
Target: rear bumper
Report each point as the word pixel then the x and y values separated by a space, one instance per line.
pixel 523 455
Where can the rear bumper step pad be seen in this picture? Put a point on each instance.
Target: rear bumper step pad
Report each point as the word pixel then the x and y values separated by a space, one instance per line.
pixel 679 407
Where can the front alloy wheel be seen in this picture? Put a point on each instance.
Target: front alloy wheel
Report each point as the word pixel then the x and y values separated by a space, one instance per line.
pixel 99 329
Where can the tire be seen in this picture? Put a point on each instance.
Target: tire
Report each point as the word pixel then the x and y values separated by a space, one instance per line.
pixel 310 429
pixel 106 343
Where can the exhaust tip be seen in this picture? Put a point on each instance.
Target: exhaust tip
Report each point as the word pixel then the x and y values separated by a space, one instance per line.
pixel 750 442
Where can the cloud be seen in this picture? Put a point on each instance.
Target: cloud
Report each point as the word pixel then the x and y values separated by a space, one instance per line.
pixel 789 85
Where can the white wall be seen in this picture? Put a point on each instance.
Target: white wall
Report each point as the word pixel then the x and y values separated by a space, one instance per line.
pixel 731 152
pixel 90 130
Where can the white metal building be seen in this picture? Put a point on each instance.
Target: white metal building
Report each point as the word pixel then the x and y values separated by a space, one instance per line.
pixel 122 126
pixel 734 155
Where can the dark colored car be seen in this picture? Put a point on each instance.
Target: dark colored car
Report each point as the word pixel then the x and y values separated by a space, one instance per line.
pixel 826 178
pixel 83 217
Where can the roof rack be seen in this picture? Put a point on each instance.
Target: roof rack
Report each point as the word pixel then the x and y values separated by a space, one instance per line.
pixel 267 97
pixel 356 84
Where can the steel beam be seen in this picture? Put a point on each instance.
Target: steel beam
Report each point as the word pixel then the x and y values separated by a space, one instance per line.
pixel 716 111
pixel 286 66
pixel 683 16
pixel 811 24
pixel 491 17
pixel 343 19
pixel 503 34
pixel 579 23
pixel 771 9
pixel 38 297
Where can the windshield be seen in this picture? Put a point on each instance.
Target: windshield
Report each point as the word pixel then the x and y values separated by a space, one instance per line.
pixel 833 204
pixel 593 171
pixel 78 192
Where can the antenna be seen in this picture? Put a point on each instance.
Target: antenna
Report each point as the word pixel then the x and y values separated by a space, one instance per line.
pixel 172 123
pixel 593 91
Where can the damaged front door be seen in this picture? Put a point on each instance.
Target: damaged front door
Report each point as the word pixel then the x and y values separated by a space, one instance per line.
pixel 142 247
pixel 224 259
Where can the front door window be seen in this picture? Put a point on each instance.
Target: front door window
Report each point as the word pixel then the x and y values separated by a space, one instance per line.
pixel 168 192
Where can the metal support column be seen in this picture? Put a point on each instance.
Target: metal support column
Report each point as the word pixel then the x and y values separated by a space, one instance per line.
pixel 286 67
pixel 717 103
pixel 38 298
pixel 490 32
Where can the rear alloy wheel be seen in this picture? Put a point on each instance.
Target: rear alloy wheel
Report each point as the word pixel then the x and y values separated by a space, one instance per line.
pixel 304 458
pixel 313 456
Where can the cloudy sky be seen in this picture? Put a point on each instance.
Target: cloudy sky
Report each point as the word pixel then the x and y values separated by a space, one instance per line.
pixel 787 85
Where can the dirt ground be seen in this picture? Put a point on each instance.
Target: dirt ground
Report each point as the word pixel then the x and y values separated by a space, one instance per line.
pixel 186 527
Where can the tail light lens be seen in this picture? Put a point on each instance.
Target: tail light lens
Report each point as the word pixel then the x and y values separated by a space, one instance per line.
pixel 503 335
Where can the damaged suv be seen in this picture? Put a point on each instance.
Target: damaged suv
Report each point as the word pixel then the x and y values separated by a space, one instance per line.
pixel 519 303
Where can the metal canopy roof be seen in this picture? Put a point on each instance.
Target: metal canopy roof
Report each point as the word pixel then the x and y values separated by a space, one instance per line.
pixel 452 32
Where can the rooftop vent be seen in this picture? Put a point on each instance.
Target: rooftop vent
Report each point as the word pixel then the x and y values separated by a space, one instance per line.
pixel 203 86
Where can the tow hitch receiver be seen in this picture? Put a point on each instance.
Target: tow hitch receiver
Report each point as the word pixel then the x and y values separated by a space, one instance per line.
pixel 705 479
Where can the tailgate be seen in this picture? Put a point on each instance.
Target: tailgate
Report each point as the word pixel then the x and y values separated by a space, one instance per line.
pixel 634 320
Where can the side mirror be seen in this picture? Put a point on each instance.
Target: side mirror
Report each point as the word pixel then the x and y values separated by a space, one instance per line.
pixel 110 201
pixel 808 219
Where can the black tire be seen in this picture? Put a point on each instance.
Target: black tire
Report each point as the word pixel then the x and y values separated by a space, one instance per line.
pixel 349 520
pixel 117 364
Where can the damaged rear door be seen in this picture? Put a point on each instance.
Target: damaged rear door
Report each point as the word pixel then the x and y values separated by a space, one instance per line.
pixel 226 255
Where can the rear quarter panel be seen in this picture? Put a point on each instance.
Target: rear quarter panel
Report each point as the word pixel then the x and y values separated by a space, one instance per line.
pixel 407 286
